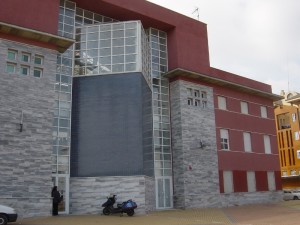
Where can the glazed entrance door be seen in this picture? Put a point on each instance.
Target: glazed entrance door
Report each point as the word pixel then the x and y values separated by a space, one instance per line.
pixel 164 197
pixel 62 183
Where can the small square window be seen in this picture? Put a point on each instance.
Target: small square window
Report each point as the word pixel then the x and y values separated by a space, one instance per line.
pixel 190 101
pixel 189 91
pixel 10 68
pixel 12 54
pixel 197 93
pixel 203 94
pixel 197 102
pixel 25 57
pixel 38 60
pixel 24 70
pixel 37 72
pixel 204 104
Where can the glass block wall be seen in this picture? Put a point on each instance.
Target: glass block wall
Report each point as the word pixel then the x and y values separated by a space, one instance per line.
pixel 161 111
pixel 63 92
pixel 111 48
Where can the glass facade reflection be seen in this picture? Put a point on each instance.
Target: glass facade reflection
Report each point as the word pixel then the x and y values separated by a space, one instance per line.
pixel 111 48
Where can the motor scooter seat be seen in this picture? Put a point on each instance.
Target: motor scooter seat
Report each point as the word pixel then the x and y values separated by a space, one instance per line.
pixel 119 205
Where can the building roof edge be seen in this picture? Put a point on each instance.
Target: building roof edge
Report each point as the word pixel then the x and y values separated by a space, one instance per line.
pixel 213 80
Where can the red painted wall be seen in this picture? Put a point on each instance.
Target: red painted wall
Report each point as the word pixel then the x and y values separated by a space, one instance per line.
pixel 240 181
pixel 240 80
pixel 261 181
pixel 41 15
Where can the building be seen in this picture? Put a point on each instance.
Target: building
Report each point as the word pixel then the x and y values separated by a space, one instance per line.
pixel 106 96
pixel 288 133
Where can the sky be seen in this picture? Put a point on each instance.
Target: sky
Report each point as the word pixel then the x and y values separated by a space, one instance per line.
pixel 257 39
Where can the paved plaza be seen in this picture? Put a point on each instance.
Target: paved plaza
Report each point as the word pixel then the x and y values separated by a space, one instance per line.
pixel 282 213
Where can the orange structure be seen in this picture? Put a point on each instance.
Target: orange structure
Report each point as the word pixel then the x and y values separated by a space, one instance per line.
pixel 288 136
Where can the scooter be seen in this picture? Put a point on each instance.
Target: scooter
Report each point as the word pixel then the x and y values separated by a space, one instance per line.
pixel 124 207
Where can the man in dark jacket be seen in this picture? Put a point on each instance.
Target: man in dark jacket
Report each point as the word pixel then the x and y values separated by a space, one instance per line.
pixel 56 198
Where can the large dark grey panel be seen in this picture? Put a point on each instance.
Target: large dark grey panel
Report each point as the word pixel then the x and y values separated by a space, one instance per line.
pixel 110 119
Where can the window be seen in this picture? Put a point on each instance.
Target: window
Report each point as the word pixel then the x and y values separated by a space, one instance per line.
pixel 25 57
pixel 197 102
pixel 263 112
pixel 271 181
pixel 37 72
pixel 38 60
pixel 12 55
pixel 24 70
pixel 196 98
pixel 11 68
pixel 222 103
pixel 244 107
pixel 283 121
pixel 228 181
pixel 267 144
pixel 251 182
pixel 224 139
pixel 247 142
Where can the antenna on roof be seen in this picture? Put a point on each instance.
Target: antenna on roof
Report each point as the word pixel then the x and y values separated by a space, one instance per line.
pixel 196 11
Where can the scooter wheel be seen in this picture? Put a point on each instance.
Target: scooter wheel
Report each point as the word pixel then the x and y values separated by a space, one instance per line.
pixel 130 212
pixel 106 211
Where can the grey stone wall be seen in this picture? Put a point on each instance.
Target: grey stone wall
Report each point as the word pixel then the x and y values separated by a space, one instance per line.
pixel 150 201
pixel 196 179
pixel 89 193
pixel 25 157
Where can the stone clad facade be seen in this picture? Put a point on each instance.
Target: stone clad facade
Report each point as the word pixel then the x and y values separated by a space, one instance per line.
pixel 196 178
pixel 26 155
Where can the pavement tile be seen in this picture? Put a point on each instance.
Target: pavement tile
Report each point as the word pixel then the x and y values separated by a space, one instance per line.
pixel 282 213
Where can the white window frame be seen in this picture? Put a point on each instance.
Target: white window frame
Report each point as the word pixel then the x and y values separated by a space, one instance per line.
pixel 251 181
pixel 222 103
pixel 13 65
pixel 247 142
pixel 37 69
pixel 264 111
pixel 228 182
pixel 38 57
pixel 271 181
pixel 224 138
pixel 24 67
pixel 14 52
pixel 244 108
pixel 267 144
pixel 25 54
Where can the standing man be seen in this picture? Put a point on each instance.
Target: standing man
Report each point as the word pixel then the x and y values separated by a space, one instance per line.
pixel 55 200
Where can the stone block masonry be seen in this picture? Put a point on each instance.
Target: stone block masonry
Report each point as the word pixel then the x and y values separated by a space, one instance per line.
pixel 25 156
pixel 87 194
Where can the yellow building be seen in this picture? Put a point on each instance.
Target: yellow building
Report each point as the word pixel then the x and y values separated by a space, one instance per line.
pixel 287 116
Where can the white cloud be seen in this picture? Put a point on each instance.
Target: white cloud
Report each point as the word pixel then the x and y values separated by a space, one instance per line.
pixel 258 39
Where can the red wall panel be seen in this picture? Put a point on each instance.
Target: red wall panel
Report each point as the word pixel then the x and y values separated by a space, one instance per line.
pixel 261 181
pixel 278 180
pixel 229 160
pixel 240 181
pixel 221 181
pixel 41 15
